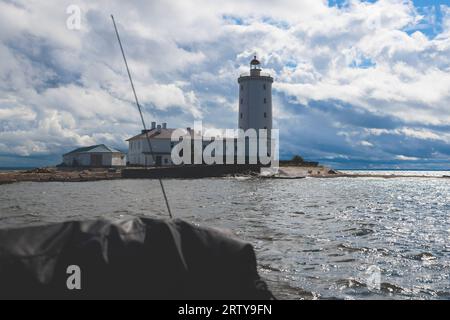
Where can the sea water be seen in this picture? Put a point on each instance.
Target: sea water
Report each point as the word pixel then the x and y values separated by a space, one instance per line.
pixel 344 238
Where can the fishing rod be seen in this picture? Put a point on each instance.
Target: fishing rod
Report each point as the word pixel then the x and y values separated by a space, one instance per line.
pixel 142 117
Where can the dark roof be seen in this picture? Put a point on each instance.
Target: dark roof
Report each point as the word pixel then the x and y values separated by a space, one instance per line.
pixel 99 148
pixel 255 61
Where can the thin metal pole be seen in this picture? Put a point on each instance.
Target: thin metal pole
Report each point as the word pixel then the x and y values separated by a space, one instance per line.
pixel 142 117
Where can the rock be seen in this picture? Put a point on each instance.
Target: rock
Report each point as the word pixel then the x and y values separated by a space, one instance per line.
pixel 40 170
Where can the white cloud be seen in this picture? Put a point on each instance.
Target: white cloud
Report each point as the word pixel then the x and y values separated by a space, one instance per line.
pixel 365 143
pixel 164 96
pixel 421 134
pixel 17 113
pixel 405 158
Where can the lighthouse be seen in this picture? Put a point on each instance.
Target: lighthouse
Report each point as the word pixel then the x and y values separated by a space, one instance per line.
pixel 255 98
pixel 255 112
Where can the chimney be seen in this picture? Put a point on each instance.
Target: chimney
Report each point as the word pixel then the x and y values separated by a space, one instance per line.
pixel 189 129
pixel 153 124
pixel 164 125
pixel 158 128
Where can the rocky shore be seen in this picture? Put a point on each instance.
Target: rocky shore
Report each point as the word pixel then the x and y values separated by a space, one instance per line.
pixel 56 174
pixel 298 172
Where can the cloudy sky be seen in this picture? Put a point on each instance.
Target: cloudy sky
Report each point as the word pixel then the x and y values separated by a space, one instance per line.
pixel 358 84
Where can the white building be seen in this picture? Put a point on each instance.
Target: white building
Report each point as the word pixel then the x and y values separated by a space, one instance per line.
pixel 255 98
pixel 255 106
pixel 160 140
pixel 94 156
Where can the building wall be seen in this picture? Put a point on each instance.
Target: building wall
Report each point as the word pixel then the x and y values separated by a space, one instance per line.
pixel 113 159
pixel 148 160
pixel 252 92
pixel 160 147
pixel 163 148
pixel 84 159
pixel 118 160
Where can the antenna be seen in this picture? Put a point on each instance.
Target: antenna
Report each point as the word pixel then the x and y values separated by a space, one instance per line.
pixel 142 117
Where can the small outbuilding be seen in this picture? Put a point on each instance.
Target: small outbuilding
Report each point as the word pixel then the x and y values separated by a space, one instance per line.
pixel 94 156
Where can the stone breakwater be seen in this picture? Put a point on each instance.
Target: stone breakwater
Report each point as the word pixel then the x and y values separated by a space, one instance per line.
pixel 51 174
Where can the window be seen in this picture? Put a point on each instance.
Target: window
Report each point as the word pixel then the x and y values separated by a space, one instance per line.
pixel 264 86
pixel 241 115
pixel 242 87
pixel 265 115
pixel 265 100
pixel 166 160
pixel 242 100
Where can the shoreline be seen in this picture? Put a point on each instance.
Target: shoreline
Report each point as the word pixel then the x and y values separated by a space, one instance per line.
pixel 97 174
pixel 299 172
pixel 59 175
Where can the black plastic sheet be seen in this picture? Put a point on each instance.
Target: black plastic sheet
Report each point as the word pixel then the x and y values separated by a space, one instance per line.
pixel 138 258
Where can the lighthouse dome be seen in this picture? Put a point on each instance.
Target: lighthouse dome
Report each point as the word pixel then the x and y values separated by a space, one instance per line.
pixel 255 62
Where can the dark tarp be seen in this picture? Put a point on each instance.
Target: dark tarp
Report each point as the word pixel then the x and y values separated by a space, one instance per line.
pixel 134 258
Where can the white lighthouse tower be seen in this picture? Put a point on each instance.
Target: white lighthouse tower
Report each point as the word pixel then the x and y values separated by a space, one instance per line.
pixel 255 99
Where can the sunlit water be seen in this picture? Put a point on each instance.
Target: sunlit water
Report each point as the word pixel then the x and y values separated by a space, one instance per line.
pixel 437 173
pixel 314 238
